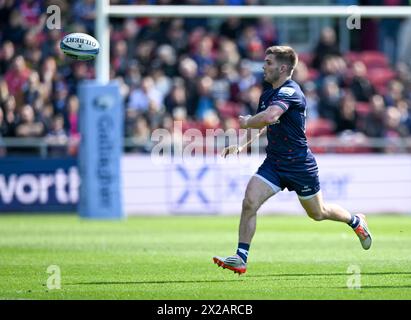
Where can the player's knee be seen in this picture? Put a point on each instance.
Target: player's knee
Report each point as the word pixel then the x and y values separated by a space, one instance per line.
pixel 317 215
pixel 249 204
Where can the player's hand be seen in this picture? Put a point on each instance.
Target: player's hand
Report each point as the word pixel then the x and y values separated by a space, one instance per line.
pixel 243 120
pixel 233 149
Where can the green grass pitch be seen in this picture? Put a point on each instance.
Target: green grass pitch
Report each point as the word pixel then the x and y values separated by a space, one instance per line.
pixel 292 257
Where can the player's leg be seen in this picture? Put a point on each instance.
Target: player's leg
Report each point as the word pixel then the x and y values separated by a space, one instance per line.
pixel 259 189
pixel 318 210
pixel 257 192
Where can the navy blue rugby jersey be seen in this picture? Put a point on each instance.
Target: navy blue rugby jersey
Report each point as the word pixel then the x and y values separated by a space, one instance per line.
pixel 286 138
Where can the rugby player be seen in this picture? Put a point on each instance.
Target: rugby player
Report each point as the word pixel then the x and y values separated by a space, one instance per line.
pixel 289 163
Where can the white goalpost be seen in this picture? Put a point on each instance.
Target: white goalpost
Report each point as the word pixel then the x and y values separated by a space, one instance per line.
pixel 105 10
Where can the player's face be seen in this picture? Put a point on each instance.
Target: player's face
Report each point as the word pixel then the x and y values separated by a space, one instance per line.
pixel 272 70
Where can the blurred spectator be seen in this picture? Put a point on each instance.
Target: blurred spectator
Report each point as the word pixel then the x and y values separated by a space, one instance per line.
pixel 3 133
pixel 60 98
pixel 204 54
pixel 347 116
pixel 256 53
pixel 31 89
pixel 374 122
pixel 48 74
pixel 404 74
pixel 144 52
pixel 231 28
pixel 28 126
pixel 72 122
pixel 119 60
pixel 6 7
pixel 300 74
pixel 141 134
pixel 129 33
pixel 3 125
pixel 246 78
pixel 162 83
pixel 332 68
pixel 329 104
pixel 312 100
pixel 17 76
pixel 57 137
pixel 154 114
pixel 205 100
pixel 84 13
pixel 404 108
pixel 177 97
pixel 228 53
pixel 250 99
pixel 6 56
pixel 14 30
pixel 361 86
pixel 188 71
pixel 395 93
pixel 4 91
pixel 140 97
pixel 46 115
pixel 246 38
pixel 133 74
pixel 31 12
pixel 221 86
pixel 153 30
pixel 177 36
pixel 10 115
pixel 53 37
pixel 393 129
pixel 327 46
pixel 210 119
pixel 167 60
pixel 266 31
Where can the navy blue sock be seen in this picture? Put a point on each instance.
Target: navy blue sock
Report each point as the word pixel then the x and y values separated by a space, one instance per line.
pixel 354 222
pixel 242 250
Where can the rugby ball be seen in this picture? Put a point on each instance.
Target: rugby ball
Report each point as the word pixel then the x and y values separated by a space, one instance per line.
pixel 80 46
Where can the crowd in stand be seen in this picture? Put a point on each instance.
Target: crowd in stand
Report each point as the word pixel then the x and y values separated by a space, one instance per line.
pixel 203 72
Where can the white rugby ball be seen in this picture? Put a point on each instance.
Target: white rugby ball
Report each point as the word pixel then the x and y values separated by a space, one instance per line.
pixel 80 46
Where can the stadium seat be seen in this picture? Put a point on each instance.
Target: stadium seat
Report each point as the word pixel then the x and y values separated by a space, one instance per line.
pixel 381 89
pixel 351 56
pixel 320 127
pixel 374 59
pixel 380 76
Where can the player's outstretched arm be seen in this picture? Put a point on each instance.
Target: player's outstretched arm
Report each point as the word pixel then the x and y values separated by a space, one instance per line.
pixel 262 119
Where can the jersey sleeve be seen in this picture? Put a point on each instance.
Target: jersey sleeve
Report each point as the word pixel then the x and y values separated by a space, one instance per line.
pixel 286 98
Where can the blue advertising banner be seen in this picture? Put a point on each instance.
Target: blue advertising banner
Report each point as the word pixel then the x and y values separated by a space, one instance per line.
pixel 101 126
pixel 38 185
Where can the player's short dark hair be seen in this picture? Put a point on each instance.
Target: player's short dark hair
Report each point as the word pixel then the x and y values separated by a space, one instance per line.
pixel 284 55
